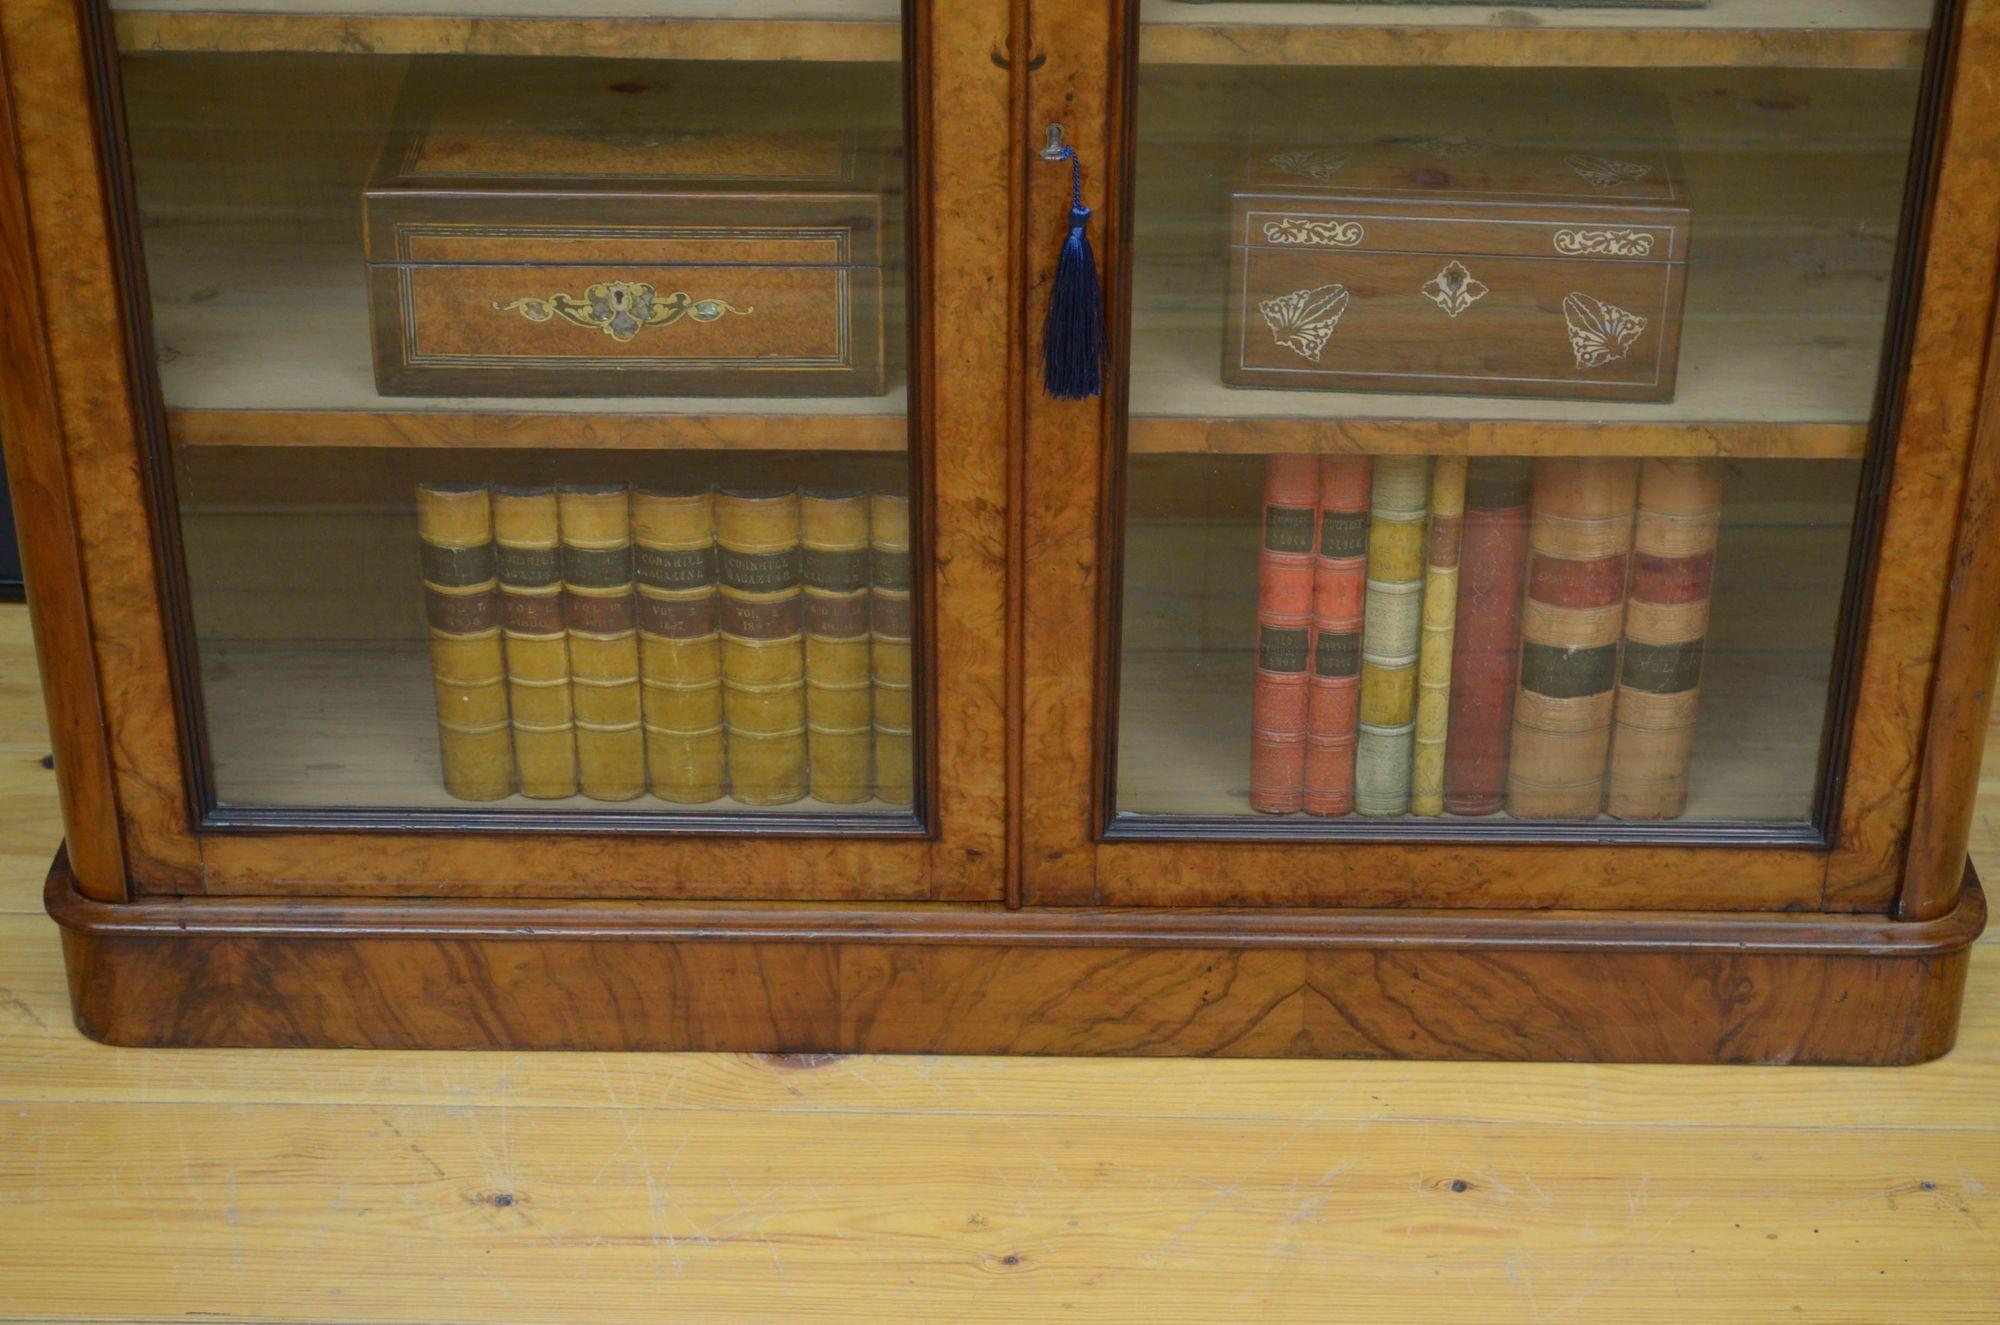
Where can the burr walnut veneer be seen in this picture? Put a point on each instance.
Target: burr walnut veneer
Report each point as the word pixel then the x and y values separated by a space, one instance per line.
pixel 214 497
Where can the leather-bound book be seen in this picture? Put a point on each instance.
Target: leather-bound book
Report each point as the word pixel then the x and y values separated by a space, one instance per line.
pixel 1486 642
pixel 680 644
pixel 603 640
pixel 1440 619
pixel 889 655
pixel 527 534
pixel 1286 547
pixel 468 662
pixel 1391 634
pixel 1340 581
pixel 763 651
pixel 1666 623
pixel 1579 538
pixel 834 556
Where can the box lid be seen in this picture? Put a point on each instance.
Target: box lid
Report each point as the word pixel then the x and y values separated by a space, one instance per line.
pixel 1465 195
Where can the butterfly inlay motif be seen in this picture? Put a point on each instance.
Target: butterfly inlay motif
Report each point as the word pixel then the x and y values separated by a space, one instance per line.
pixel 1303 320
pixel 1607 172
pixel 1313 163
pixel 1600 333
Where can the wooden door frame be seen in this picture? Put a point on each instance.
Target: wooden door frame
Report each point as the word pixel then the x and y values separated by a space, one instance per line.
pixel 84 451
pixel 1074 453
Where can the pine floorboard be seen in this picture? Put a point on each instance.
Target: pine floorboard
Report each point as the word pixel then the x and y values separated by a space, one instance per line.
pixel 311 1186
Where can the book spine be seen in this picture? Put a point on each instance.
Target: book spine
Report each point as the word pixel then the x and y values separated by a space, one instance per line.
pixel 1390 635
pixel 1340 582
pixel 603 640
pixel 763 654
pixel 1666 625
pixel 680 644
pixel 527 535
pixel 834 565
pixel 468 664
pixel 1287 544
pixel 1440 621
pixel 1579 538
pixel 1486 645
pixel 889 654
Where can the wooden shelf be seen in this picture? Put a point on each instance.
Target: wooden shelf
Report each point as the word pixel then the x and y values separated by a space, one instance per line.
pixel 1184 736
pixel 859 30
pixel 351 725
pixel 1749 387
pixel 263 344
pixel 1830 34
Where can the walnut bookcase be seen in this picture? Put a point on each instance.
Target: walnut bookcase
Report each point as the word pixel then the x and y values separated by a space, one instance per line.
pixel 214 503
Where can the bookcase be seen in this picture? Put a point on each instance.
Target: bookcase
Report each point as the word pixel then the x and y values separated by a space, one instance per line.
pixel 545 528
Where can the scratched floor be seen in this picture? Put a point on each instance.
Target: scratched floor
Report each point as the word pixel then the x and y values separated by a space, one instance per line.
pixel 486 1187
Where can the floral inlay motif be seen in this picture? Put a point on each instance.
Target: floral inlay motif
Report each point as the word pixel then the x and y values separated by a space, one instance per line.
pixel 1454 289
pixel 1314 230
pixel 622 309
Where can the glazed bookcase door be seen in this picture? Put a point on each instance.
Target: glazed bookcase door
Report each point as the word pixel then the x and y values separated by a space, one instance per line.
pixel 523 422
pixel 1524 457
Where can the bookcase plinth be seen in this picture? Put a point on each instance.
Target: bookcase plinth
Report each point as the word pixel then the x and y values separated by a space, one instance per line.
pixel 1524 986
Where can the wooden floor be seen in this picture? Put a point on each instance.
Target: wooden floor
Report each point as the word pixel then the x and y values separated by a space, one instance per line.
pixel 485 1187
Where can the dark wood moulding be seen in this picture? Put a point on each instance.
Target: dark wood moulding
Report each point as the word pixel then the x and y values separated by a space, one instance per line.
pixel 1554 986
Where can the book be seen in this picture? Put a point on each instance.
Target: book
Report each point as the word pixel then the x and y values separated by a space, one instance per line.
pixel 1391 631
pixel 834 531
pixel 468 663
pixel 1439 624
pixel 1666 625
pixel 1579 538
pixel 603 640
pixel 763 646
pixel 1486 642
pixel 889 653
pixel 680 644
pixel 1286 544
pixel 1340 580
pixel 527 538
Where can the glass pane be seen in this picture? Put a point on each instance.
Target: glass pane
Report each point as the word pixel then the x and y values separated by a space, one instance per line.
pixel 538 420
pixel 1497 426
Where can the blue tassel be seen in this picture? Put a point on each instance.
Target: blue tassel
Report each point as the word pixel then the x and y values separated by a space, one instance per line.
pixel 1073 335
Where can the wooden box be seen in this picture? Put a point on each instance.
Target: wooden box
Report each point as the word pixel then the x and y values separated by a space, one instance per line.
pixel 1446 265
pixel 623 263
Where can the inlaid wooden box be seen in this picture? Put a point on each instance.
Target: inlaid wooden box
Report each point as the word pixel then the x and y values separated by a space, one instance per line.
pixel 1448 265
pixel 593 263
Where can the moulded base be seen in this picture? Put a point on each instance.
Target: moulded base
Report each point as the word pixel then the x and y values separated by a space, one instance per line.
pixel 439 974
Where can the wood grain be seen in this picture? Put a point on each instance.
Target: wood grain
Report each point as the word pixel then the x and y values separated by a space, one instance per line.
pixel 1848 34
pixel 761 30
pixel 1948 786
pixel 1639 987
pixel 100 430
pixel 44 518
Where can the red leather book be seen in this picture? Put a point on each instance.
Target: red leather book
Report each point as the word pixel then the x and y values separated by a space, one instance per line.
pixel 1284 633
pixel 1487 643
pixel 1340 582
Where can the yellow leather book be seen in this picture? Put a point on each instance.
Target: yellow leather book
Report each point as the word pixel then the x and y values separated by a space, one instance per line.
pixel 833 529
pixel 763 654
pixel 1391 631
pixel 1440 624
pixel 527 537
pixel 889 645
pixel 468 665
pixel 680 646
pixel 603 641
